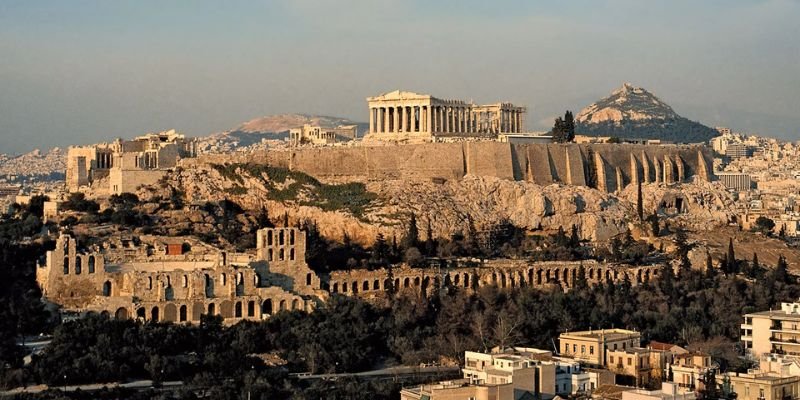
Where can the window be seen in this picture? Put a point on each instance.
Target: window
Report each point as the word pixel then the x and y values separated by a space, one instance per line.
pixel 583 349
pixel 615 346
pixel 566 348
pixel 591 349
pixel 611 359
pixel 630 361
pixel 574 348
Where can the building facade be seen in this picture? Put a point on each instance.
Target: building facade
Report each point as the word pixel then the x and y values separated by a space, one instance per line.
pixel 124 165
pixel 408 116
pixel 318 135
pixel 773 331
pixel 157 279
pixel 593 346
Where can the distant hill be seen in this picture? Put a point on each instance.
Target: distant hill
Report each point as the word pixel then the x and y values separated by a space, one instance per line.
pixel 632 112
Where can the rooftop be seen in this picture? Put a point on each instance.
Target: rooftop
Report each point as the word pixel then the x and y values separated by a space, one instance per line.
pixel 607 334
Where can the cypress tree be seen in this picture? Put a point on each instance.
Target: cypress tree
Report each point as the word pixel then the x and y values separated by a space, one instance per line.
pixel 731 257
pixel 430 244
pixel 755 267
pixel 639 205
pixel 710 272
pixel 411 239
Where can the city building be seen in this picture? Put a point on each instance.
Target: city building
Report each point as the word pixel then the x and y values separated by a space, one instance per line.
pixel 776 378
pixel 413 117
pixel 459 389
pixel 513 374
pixel 773 331
pixel 179 279
pixel 668 391
pixel 125 165
pixel 735 180
pixel 632 365
pixel 738 150
pixel 318 135
pixel 592 346
pixel 688 370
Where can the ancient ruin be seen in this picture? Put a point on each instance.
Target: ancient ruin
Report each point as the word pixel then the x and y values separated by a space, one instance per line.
pixel 179 279
pixel 413 117
pixel 124 165
pixel 318 135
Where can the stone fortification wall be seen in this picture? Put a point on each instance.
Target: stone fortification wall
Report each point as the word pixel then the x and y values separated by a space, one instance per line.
pixel 614 165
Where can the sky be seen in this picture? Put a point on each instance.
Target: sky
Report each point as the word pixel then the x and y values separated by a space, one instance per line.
pixel 79 72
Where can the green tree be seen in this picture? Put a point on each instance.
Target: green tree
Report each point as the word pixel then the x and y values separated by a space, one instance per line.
pixel 731 258
pixel 764 225
pixel 380 252
pixel 411 238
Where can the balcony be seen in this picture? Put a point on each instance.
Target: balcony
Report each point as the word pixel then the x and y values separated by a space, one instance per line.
pixel 784 340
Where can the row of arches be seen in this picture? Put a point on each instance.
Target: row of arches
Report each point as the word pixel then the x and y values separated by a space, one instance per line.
pixel 241 309
pixel 77 264
pixel 502 278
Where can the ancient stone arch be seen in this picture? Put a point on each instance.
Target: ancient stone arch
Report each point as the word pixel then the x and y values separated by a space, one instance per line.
pixel 237 310
pixel 251 308
pixel 155 314
pixel 121 313
pixel 78 266
pixel 107 289
pixel 282 305
pixel 295 304
pixel 266 307
pixel 212 309
pixel 91 264
pixel 66 265
pixel 365 286
pixel 376 285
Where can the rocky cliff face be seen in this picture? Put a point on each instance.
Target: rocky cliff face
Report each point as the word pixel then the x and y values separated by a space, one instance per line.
pixel 634 112
pixel 450 206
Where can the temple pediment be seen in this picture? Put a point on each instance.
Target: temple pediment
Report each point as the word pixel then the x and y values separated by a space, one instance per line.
pixel 400 95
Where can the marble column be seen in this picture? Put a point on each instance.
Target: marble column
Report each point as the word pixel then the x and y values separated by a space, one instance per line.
pixel 371 120
pixel 428 114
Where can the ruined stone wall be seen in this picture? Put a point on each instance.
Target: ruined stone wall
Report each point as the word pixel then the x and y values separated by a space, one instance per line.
pixel 500 273
pixel 173 290
pixel 616 165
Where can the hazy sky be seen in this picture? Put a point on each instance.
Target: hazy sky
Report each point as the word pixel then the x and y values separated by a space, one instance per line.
pixel 85 71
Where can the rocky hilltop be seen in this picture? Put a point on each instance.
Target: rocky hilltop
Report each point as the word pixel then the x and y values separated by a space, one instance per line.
pixel 361 211
pixel 634 112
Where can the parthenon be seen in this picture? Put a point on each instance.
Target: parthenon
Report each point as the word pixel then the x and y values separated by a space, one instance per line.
pixel 408 116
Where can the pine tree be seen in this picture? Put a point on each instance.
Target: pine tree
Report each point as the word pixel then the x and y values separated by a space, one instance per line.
pixel 380 251
pixel 559 131
pixel 781 272
pixel 569 127
pixel 262 219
